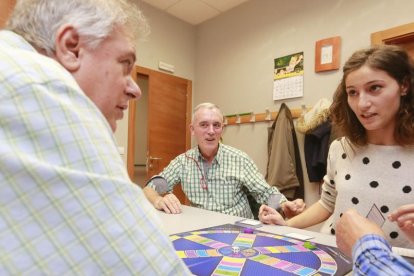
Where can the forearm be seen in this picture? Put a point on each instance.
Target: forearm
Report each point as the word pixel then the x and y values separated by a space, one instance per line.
pixel 372 255
pixel 311 216
pixel 151 195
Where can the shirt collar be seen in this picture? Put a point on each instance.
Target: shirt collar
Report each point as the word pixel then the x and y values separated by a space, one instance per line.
pixel 217 158
pixel 15 40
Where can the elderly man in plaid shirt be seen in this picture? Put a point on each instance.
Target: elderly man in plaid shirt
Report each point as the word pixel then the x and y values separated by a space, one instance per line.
pixel 67 205
pixel 215 176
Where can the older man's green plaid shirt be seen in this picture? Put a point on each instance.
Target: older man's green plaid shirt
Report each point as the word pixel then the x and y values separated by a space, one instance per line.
pixel 231 175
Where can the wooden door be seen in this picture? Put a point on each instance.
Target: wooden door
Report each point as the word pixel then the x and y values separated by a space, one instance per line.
pixel 169 117
pixel 401 35
pixel 6 8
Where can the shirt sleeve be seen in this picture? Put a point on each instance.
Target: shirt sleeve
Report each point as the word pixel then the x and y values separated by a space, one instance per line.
pixel 372 255
pixel 171 173
pixel 257 185
pixel 329 192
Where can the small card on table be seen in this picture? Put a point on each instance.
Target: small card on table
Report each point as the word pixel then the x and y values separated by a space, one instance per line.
pixel 249 223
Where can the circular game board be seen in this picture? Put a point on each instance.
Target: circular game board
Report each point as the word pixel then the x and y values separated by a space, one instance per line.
pixel 210 252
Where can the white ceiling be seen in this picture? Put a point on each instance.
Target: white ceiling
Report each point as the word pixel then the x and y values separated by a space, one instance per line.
pixel 194 11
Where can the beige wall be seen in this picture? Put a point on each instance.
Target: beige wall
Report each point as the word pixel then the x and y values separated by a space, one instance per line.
pixel 230 58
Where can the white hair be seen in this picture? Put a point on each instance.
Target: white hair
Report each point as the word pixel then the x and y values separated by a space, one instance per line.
pixel 210 106
pixel 39 20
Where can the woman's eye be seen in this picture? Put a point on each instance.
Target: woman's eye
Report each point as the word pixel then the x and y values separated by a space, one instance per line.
pixel 351 92
pixel 375 87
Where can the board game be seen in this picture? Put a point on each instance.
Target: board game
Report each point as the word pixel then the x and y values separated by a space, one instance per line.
pixel 231 250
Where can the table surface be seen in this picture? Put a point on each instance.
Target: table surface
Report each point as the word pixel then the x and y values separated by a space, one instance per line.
pixel 193 218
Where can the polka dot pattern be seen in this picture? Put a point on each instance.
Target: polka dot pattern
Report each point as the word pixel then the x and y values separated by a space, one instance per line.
pixel 406 189
pixel 396 164
pixel 373 184
pixel 393 235
pixel 375 180
pixel 384 209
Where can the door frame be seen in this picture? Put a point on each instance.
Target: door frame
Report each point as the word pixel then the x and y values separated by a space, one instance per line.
pixel 396 35
pixel 131 117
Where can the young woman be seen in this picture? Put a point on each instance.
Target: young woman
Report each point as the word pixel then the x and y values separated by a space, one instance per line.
pixel 371 168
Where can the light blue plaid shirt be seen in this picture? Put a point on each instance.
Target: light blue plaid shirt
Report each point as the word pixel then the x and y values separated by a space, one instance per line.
pixel 230 176
pixel 67 205
pixel 373 256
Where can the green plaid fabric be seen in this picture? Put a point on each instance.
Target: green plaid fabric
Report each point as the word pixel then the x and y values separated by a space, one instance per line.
pixel 67 206
pixel 230 176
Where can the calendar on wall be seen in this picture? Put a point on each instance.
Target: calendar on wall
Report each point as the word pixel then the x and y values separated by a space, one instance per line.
pixel 288 77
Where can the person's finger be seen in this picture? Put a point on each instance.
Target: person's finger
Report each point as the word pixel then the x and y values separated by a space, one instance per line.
pixel 262 208
pixel 173 204
pixel 164 206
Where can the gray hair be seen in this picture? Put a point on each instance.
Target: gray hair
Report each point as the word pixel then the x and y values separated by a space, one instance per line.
pixel 210 106
pixel 39 20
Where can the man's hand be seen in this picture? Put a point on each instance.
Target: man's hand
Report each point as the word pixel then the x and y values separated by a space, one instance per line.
pixel 268 215
pixel 169 203
pixel 293 208
pixel 404 217
pixel 351 227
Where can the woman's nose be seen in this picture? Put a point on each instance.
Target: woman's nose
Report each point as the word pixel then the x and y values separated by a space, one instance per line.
pixel 364 101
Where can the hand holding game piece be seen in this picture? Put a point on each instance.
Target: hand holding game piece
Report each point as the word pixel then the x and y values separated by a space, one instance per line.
pixel 351 227
pixel 269 215
pixel 169 204
pixel 404 217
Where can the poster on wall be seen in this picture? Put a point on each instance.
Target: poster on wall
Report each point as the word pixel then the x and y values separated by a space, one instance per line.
pixel 288 77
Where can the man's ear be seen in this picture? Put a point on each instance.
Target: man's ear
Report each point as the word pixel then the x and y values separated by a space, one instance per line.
pixel 191 129
pixel 67 47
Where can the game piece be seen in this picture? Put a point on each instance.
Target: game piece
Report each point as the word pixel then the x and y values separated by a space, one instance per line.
pixel 236 249
pixel 248 230
pixel 309 245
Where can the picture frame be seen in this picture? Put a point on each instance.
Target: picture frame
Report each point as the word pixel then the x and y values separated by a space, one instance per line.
pixel 327 54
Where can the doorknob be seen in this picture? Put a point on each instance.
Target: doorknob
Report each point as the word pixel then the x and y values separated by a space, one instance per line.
pixel 154 158
pixel 149 161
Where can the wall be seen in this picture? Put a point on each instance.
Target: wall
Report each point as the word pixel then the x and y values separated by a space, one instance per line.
pixel 172 41
pixel 235 54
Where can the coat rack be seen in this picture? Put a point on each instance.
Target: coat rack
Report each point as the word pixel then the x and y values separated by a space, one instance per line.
pixel 267 116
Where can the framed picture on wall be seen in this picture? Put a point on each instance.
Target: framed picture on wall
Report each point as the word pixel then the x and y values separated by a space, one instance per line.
pixel 327 54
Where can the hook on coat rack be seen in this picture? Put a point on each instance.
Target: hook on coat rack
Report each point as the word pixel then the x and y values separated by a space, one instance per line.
pixel 238 120
pixel 268 115
pixel 252 117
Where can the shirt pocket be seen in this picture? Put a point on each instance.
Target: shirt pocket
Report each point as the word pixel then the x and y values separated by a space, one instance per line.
pixel 226 190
